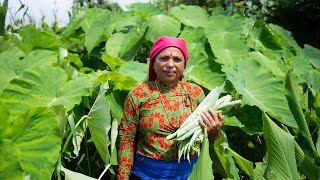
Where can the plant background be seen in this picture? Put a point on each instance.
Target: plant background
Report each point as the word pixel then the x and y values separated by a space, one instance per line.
pixel 62 90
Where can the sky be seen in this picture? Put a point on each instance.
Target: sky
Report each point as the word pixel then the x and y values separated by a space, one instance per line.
pixel 48 9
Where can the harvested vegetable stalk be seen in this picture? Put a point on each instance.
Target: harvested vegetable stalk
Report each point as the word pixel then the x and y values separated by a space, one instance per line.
pixel 190 135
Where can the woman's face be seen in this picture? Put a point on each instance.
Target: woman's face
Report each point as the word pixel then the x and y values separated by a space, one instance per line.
pixel 169 65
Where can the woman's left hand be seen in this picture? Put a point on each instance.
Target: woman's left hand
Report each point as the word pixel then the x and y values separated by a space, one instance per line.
pixel 212 122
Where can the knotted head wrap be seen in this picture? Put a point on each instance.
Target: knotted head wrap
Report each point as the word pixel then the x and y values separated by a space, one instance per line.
pixel 162 43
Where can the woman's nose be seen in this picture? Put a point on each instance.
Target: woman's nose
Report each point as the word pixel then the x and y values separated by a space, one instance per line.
pixel 170 63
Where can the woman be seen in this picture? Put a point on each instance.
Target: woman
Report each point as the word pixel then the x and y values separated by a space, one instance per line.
pixel 156 109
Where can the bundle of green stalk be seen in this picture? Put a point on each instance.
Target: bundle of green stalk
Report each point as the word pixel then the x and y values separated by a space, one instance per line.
pixel 190 135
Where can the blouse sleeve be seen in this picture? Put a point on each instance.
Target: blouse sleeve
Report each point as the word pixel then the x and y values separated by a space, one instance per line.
pixel 127 133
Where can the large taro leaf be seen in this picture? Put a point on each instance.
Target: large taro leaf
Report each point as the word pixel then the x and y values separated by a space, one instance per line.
pixel 226 39
pixel 277 67
pixel 29 145
pixel 261 89
pixel 95 25
pixel 99 123
pixel 12 67
pixel 136 70
pixel 195 39
pixel 132 42
pixel 113 45
pixel 46 86
pixel 145 9
pixel 297 111
pixel 312 77
pixel 33 38
pixel 160 25
pixel 203 75
pixel 280 151
pixel 243 164
pixel 313 54
pixel 122 21
pixel 202 169
pixel 193 16
pixel 223 162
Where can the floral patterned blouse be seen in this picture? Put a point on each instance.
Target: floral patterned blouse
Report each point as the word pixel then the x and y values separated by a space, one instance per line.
pixel 152 111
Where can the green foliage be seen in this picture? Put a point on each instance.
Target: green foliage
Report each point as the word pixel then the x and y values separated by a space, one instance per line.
pixel 62 92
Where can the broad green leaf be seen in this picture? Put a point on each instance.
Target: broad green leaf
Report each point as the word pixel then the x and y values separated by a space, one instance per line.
pixel 12 67
pixel 162 25
pixel 310 169
pixel 136 70
pixel 113 45
pixel 116 109
pixel 36 38
pixel 35 139
pixel 113 62
pixel 297 112
pixel 47 86
pixel 244 164
pixel 232 121
pixel 313 54
pixel 123 21
pixel 145 9
pixel 286 40
pixel 202 169
pixel 132 42
pixel 226 39
pixel 193 16
pixel 204 76
pixel 9 156
pixel 262 90
pixel 223 162
pixel 120 81
pixel 195 39
pixel 277 67
pixel 280 151
pixel 263 38
pixel 312 77
pixel 300 65
pixel 99 123
pixel 95 25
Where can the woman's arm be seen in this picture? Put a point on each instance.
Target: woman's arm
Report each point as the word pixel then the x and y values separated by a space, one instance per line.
pixel 127 132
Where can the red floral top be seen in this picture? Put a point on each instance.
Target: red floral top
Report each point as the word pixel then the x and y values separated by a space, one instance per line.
pixel 152 111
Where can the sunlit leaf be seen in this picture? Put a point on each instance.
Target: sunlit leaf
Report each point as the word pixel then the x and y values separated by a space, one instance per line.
pixel 226 39
pixel 34 138
pixel 193 16
pixel 160 25
pixel 95 25
pixel 280 151
pixel 12 67
pixel 145 9
pixel 37 38
pixel 297 112
pixel 262 90
pixel 36 87
pixel 136 70
pixel 99 123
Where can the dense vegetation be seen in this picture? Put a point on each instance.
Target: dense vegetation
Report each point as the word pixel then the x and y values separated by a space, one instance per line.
pixel 62 92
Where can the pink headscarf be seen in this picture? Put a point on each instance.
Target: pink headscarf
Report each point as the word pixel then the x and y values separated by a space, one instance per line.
pixel 162 43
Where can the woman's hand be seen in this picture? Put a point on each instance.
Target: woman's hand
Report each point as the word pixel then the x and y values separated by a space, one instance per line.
pixel 212 122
